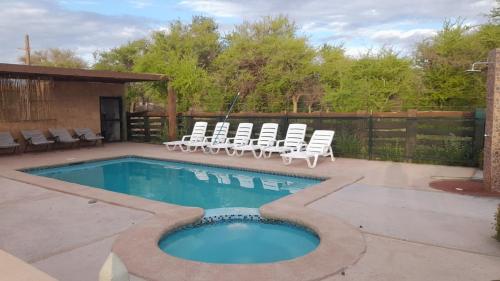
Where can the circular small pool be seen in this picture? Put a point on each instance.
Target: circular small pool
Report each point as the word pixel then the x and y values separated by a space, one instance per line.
pixel 239 239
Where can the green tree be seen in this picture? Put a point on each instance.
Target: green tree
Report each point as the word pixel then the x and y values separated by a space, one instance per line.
pixel 122 58
pixel 56 57
pixel 444 59
pixel 374 82
pixel 185 54
pixel 267 62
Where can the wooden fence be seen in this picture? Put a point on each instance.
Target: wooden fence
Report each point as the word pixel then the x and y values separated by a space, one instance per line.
pixel 451 138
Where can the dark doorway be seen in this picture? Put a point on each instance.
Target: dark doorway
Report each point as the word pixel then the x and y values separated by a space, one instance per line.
pixel 111 118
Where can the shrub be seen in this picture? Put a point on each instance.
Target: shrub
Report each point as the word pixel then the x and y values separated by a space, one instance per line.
pixel 497 216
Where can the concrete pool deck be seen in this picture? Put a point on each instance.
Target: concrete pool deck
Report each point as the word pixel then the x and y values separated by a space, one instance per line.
pixel 411 231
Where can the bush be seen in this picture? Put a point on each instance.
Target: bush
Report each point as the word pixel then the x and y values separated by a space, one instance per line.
pixel 497 236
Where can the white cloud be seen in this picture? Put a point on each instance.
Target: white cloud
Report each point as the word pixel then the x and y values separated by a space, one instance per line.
pixel 216 8
pixel 369 23
pixel 49 25
pixel 394 34
pixel 140 4
pixel 359 24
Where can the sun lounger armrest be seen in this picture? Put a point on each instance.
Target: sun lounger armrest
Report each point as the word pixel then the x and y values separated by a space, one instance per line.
pixel 184 138
pixel 325 148
pixel 253 141
pixel 270 143
pixel 228 140
pixel 29 140
pixel 280 141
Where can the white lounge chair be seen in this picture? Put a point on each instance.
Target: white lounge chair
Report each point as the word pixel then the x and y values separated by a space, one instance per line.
pixel 266 139
pixel 218 136
pixel 293 141
pixel 242 137
pixel 7 141
pixel 197 134
pixel 87 135
pixel 61 135
pixel 319 145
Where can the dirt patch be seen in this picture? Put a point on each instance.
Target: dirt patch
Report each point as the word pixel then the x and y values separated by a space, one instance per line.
pixel 467 187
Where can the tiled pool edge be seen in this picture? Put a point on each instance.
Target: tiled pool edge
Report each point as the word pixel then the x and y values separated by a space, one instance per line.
pixel 71 163
pixel 341 244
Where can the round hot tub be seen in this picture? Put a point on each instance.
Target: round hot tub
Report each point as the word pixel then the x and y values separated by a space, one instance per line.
pixel 239 239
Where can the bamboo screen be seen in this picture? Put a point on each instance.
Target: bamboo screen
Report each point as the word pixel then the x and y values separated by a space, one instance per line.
pixel 25 99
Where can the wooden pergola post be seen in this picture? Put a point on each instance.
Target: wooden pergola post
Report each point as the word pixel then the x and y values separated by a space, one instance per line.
pixel 172 113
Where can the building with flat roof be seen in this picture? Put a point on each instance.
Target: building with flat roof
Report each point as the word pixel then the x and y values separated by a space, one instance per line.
pixel 38 97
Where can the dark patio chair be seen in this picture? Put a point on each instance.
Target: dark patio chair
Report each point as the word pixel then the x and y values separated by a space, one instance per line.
pixel 8 142
pixel 62 135
pixel 35 138
pixel 86 134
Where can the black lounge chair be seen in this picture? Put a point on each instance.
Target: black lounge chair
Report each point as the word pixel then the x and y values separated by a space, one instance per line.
pixel 8 142
pixel 35 138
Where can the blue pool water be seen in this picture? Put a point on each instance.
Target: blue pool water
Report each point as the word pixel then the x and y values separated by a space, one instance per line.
pixel 239 241
pixel 180 183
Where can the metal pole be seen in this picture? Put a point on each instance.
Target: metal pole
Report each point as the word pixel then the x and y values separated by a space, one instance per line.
pixel 227 116
pixel 27 49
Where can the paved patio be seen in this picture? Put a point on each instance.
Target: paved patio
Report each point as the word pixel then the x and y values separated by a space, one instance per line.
pixel 412 232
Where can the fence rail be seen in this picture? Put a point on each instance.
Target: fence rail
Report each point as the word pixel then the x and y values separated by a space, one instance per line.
pixel 448 137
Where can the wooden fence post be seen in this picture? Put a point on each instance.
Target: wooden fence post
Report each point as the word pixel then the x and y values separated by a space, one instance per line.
pixel 129 131
pixel 172 113
pixel 147 132
pixel 411 134
pixel 370 136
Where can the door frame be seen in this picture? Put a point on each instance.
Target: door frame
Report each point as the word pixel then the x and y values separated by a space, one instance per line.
pixel 120 119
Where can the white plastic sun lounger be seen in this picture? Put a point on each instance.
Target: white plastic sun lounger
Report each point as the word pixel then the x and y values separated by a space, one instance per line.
pixel 7 141
pixel 319 145
pixel 197 134
pixel 242 137
pixel 266 139
pixel 62 135
pixel 218 136
pixel 293 141
pixel 35 138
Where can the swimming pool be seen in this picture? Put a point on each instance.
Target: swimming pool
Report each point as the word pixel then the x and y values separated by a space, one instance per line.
pixel 180 183
pixel 244 238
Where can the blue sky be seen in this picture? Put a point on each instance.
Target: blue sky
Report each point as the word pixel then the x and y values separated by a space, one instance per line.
pixel 89 25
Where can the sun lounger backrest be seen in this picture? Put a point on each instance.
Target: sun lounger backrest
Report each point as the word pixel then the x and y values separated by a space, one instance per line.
pixel 220 132
pixel 268 134
pixel 319 140
pixel 243 133
pixel 6 138
pixel 86 132
pixel 61 133
pixel 295 135
pixel 199 131
pixel 35 136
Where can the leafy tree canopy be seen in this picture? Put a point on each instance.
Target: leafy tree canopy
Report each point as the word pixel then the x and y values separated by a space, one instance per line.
pixel 56 57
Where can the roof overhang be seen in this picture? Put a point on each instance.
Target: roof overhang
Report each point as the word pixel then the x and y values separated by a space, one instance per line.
pixel 19 71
